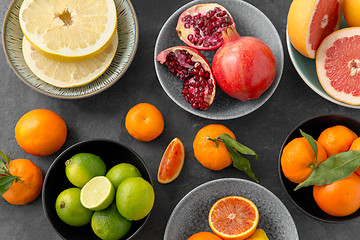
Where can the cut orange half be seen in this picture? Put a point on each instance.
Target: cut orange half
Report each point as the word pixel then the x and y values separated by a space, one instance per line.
pixel 234 218
pixel 172 162
pixel 310 21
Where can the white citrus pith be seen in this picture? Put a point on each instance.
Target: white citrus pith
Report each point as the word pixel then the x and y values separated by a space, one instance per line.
pixel 68 30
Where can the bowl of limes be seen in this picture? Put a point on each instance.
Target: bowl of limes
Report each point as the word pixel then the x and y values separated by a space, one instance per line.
pixel 98 189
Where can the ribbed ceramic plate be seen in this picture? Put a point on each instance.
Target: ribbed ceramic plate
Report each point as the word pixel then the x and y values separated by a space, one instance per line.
pixel 306 69
pixel 191 213
pixel 128 31
pixel 249 21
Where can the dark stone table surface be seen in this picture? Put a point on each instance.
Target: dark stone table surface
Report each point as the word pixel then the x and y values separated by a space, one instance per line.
pixel 102 116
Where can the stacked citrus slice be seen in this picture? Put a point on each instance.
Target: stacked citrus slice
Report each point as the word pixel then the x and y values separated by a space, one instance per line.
pixel 68 43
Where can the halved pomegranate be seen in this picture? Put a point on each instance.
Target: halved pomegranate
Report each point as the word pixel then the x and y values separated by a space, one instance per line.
pixel 191 67
pixel 201 26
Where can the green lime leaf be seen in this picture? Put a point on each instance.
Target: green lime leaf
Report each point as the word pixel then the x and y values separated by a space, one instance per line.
pixel 237 146
pixel 313 145
pixel 241 163
pixel 5 183
pixel 335 168
pixel 5 157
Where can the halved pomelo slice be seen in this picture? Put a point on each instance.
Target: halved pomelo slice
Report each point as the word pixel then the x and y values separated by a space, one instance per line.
pixel 338 65
pixel 68 30
pixel 68 74
pixel 310 21
pixel 172 162
pixel 233 217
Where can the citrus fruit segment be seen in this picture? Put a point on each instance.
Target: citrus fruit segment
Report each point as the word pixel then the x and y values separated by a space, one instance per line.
pixel 97 194
pixel 68 30
pixel 310 21
pixel 172 162
pixel 120 172
pixel 135 198
pixel 338 65
pixel 68 74
pixel 69 209
pixel 109 224
pixel 233 217
pixel 82 167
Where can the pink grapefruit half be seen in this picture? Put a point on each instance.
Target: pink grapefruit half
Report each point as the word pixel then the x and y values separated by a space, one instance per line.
pixel 310 21
pixel 338 65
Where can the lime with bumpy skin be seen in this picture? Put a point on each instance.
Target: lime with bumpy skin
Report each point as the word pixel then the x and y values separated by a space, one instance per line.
pixel 82 167
pixel 97 194
pixel 69 208
pixel 135 198
pixel 120 172
pixel 108 224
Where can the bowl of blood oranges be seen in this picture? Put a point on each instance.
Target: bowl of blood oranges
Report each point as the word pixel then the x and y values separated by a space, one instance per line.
pixel 56 181
pixel 295 166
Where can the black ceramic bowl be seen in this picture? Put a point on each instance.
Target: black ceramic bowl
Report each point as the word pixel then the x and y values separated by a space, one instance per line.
pixel 112 153
pixel 303 198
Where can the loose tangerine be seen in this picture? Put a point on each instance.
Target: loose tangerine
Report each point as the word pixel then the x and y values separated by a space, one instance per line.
pixel 210 154
pixel 172 162
pixel 204 236
pixel 298 159
pixel 336 139
pixel 40 132
pixel 144 122
pixel 340 198
pixel 28 186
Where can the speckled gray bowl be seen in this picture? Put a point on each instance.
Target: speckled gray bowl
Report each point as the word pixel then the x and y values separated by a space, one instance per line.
pixel 249 21
pixel 191 213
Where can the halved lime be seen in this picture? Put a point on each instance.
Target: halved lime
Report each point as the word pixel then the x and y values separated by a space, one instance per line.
pixel 97 194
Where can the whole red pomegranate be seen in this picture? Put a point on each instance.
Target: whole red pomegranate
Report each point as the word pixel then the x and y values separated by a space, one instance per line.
pixel 244 67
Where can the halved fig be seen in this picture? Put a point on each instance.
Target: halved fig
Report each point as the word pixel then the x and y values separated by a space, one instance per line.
pixel 191 66
pixel 201 26
pixel 172 162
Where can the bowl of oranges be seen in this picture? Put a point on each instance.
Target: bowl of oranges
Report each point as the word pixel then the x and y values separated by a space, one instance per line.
pixel 318 165
pixel 98 189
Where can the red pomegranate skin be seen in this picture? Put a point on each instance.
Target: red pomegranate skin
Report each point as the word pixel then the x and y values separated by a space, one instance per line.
pixel 244 67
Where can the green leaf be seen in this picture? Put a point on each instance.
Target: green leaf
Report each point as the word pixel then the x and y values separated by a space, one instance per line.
pixel 313 145
pixel 5 183
pixel 335 168
pixel 5 157
pixel 237 146
pixel 241 163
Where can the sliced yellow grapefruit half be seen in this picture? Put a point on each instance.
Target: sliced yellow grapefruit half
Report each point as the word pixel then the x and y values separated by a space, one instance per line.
pixel 310 21
pixel 68 30
pixel 338 65
pixel 68 74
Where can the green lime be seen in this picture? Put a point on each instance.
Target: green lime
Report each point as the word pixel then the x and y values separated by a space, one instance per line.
pixel 97 194
pixel 108 224
pixel 69 208
pixel 82 167
pixel 120 172
pixel 135 198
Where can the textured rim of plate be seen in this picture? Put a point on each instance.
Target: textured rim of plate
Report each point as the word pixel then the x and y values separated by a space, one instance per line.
pixel 303 76
pixel 242 181
pixel 198 112
pixel 121 62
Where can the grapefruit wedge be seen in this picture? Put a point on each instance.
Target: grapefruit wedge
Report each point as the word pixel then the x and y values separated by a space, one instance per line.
pixel 338 65
pixel 310 21
pixel 234 218
pixel 172 162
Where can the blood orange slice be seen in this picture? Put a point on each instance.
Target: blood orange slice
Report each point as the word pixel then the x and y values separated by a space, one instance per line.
pixel 233 217
pixel 310 21
pixel 338 65
pixel 172 162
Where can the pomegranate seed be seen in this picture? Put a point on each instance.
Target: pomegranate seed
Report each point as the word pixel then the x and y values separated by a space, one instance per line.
pixel 223 13
pixel 187 25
